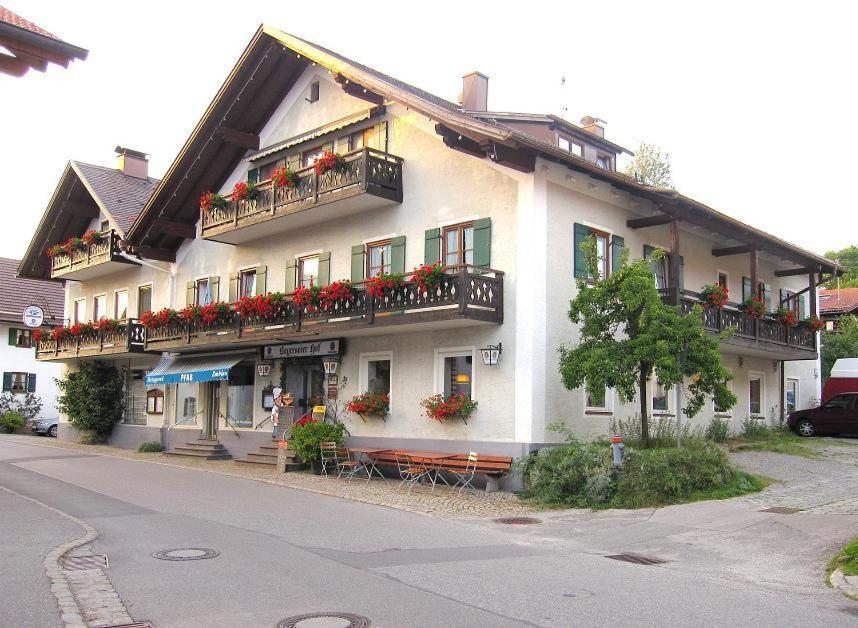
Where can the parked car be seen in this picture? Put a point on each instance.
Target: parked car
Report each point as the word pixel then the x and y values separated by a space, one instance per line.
pixel 838 415
pixel 46 427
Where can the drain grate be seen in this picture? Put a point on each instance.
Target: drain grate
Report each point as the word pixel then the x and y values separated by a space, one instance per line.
pixel 186 553
pixel 781 510
pixel 340 620
pixel 637 559
pixel 518 521
pixel 89 561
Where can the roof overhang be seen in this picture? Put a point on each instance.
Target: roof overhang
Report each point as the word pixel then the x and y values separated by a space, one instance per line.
pixel 34 51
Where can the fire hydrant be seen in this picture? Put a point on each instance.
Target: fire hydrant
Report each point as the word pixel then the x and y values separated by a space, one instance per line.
pixel 617 448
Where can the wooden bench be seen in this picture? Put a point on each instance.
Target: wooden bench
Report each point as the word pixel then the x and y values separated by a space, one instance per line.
pixel 493 467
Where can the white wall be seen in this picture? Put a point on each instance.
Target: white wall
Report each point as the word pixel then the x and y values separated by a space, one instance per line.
pixel 23 360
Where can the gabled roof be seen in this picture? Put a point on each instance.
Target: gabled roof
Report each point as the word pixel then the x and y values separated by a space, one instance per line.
pixel 17 293
pixel 269 67
pixel 33 46
pixel 840 301
pixel 83 192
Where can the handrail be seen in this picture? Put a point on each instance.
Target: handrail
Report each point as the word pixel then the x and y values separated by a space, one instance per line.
pixel 262 422
pixel 229 423
pixel 185 420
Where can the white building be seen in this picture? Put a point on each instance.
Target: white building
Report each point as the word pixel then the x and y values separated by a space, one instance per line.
pixel 502 199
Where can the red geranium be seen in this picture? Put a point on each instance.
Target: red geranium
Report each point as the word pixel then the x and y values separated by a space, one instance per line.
pixel 210 200
pixel 753 308
pixel 243 190
pixel 161 318
pixel 191 314
pixel 441 408
pixel 307 297
pixel 307 418
pixel 370 404
pixel 58 333
pixel 214 313
pixel 38 336
pixel 787 318
pixel 814 323
pixel 427 277
pixel 106 324
pixel 283 177
pixel 328 161
pixel 383 284
pixel 92 237
pixel 338 291
pixel 715 295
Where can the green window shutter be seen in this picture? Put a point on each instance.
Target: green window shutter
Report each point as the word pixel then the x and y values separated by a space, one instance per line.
pixel 31 382
pixel 802 306
pixel 580 234
pixel 7 382
pixel 253 175
pixel 324 268
pixel 746 289
pixel 432 247
pixel 13 336
pixel 483 242
pixel 233 287
pixel 397 254
pixel 261 279
pixel 214 286
pixel 190 293
pixel 358 262
pixel 617 246
pixel 291 274
pixel 767 296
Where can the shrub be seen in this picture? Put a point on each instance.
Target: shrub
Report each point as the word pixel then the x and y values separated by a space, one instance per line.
pixel 662 432
pixel 150 447
pixel 11 421
pixel 564 475
pixel 306 438
pixel 754 428
pixel 28 406
pixel 92 398
pixel 718 430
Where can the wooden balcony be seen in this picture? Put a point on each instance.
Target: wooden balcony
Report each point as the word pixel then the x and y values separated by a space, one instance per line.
pixel 95 260
pixel 466 296
pixel 764 337
pixel 127 338
pixel 370 179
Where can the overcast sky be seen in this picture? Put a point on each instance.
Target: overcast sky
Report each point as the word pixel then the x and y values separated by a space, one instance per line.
pixel 754 101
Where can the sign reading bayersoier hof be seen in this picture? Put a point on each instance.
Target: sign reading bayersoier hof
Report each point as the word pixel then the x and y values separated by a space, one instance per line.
pixel 33 316
pixel 301 350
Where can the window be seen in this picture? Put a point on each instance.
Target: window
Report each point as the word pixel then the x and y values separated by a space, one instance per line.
pixel 314 92
pixel 660 398
pixel 458 242
pixel 377 258
pixel 19 383
pixel 186 403
pixel 99 307
pixel 20 337
pixel 790 301
pixel 375 372
pixel 105 226
pixel 722 280
pixel 136 397
pixel 155 401
pixel 247 283
pixel 203 291
pixel 309 157
pixel 455 371
pixel 308 271
pixel 660 267
pixel 791 395
pixel 598 401
pixel 79 311
pixel 144 299
pixel 840 402
pixel 755 393
pixel 120 304
pixel 603 161
pixel 602 251
pixel 239 394
pixel 570 146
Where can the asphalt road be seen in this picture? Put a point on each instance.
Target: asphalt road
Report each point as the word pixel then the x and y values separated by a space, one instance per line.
pixel 285 552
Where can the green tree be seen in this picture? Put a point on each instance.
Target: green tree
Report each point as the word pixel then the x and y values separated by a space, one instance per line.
pixel 628 335
pixel 848 258
pixel 651 166
pixel 842 343
pixel 92 397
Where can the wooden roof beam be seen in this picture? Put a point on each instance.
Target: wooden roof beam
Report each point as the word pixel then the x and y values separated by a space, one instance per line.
pixel 358 91
pixel 238 138
pixel 179 229
pixel 794 272
pixel 732 250
pixel 649 221
pixel 457 141
pixel 522 160
pixel 151 252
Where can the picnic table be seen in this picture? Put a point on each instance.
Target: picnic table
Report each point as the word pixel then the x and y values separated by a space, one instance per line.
pixel 368 455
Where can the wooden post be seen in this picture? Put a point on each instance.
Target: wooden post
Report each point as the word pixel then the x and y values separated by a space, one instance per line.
pixel 755 291
pixel 674 262
pixel 463 280
pixel 812 292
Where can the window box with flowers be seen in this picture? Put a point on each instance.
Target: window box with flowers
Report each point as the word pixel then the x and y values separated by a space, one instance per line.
pixel 753 308
pixel 210 314
pixel 307 297
pixel 245 190
pixel 383 284
pixel 814 323
pixel 210 201
pixel 262 307
pixel 786 317
pixel 440 407
pixel 327 162
pixel 428 277
pixel 336 295
pixel 283 177
pixel 714 295
pixel 370 405
pixel 161 319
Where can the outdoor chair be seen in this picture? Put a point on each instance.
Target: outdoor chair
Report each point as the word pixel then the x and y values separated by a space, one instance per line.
pixel 410 472
pixel 328 456
pixel 346 464
pixel 465 476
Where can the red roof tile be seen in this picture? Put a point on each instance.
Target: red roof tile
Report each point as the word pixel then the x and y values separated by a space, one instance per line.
pixel 16 20
pixel 838 301
pixel 17 293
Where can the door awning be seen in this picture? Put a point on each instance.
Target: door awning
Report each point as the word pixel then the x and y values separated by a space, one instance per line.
pixel 180 370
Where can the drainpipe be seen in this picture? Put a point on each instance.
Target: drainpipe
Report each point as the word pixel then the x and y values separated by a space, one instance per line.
pixel 783 392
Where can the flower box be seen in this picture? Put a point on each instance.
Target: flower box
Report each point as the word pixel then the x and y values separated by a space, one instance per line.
pixel 440 407
pixel 370 404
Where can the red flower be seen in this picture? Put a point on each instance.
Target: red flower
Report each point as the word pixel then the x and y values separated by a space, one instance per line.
pixel 162 318
pixel 427 277
pixel 814 323
pixel 307 297
pixel 210 200
pixel 283 177
pixel 328 161
pixel 338 291
pixel 383 284
pixel 38 336
pixel 715 295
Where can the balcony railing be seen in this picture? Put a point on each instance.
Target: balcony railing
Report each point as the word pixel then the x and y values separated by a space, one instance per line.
pixel 766 333
pixel 374 176
pixel 128 337
pixel 466 293
pixel 92 261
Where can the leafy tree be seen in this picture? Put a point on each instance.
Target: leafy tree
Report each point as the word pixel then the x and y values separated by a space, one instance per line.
pixel 842 343
pixel 92 397
pixel 651 166
pixel 848 258
pixel 628 335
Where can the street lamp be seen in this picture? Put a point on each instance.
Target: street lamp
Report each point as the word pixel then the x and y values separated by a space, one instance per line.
pixel 491 354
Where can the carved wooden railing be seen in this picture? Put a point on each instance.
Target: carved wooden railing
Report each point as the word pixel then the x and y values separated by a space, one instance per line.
pixel 465 291
pixel 127 337
pixel 91 255
pixel 365 170
pixel 766 330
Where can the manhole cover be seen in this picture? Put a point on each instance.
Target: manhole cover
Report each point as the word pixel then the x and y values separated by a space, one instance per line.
pixel 186 553
pixel 637 559
pixel 782 510
pixel 79 563
pixel 324 620
pixel 518 521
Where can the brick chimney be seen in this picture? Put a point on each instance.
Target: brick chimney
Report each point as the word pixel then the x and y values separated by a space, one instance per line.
pixel 596 126
pixel 475 92
pixel 132 162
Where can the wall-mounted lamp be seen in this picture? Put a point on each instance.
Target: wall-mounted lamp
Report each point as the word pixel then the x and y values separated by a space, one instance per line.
pixel 331 366
pixel 491 354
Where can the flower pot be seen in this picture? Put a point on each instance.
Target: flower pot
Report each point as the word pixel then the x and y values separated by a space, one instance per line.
pixel 316 467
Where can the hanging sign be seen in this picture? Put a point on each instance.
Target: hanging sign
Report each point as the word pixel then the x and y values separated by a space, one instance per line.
pixel 301 349
pixel 34 316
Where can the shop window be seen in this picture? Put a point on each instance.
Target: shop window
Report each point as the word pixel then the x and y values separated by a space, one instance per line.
pixel 375 372
pixel 755 394
pixel 455 372
pixel 186 403
pixel 155 401
pixel 239 394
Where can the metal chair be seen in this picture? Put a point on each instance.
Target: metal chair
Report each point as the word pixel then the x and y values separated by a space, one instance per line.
pixel 410 472
pixel 328 456
pixel 346 464
pixel 465 477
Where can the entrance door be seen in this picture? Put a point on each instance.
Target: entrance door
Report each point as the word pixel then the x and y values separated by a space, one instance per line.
pixel 212 414
pixel 305 380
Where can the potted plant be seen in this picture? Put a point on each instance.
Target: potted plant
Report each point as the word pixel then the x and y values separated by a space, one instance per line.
pixel 210 200
pixel 753 308
pixel 328 161
pixel 307 437
pixel 60 333
pixel 370 404
pixel 383 284
pixel 215 313
pixel 814 323
pixel 786 317
pixel 714 295
pixel 307 297
pixel 245 190
pixel 440 407
pixel 283 177
pixel 161 318
pixel 428 277
pixel 93 237
pixel 338 291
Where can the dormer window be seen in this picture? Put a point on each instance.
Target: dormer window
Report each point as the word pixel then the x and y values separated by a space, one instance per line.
pixel 570 146
pixel 604 162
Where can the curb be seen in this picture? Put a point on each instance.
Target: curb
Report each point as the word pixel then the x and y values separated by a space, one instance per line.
pixel 837 580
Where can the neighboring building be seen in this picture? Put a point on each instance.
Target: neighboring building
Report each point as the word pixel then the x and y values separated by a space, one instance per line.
pixel 31 47
pixel 503 199
pixel 837 303
pixel 22 372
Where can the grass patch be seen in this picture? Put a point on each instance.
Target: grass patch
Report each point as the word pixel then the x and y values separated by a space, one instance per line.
pixel 775 440
pixel 846 559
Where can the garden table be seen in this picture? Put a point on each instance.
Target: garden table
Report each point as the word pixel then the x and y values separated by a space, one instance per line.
pixel 432 460
pixel 369 461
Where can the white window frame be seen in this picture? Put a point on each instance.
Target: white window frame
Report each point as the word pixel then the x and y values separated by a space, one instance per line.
pixel 718 273
pixel 74 310
pixel 667 395
pixel 454 352
pixel 151 287
pixel 363 374
pixel 609 403
pixel 729 413
pixel 797 391
pixel 101 314
pixel 127 303
pixel 241 273
pixel 762 378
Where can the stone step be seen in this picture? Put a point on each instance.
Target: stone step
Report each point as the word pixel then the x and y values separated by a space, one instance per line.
pixel 204 447
pixel 250 460
pixel 257 455
pixel 198 453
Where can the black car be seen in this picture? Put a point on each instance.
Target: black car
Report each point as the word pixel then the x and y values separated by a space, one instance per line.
pixel 838 415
